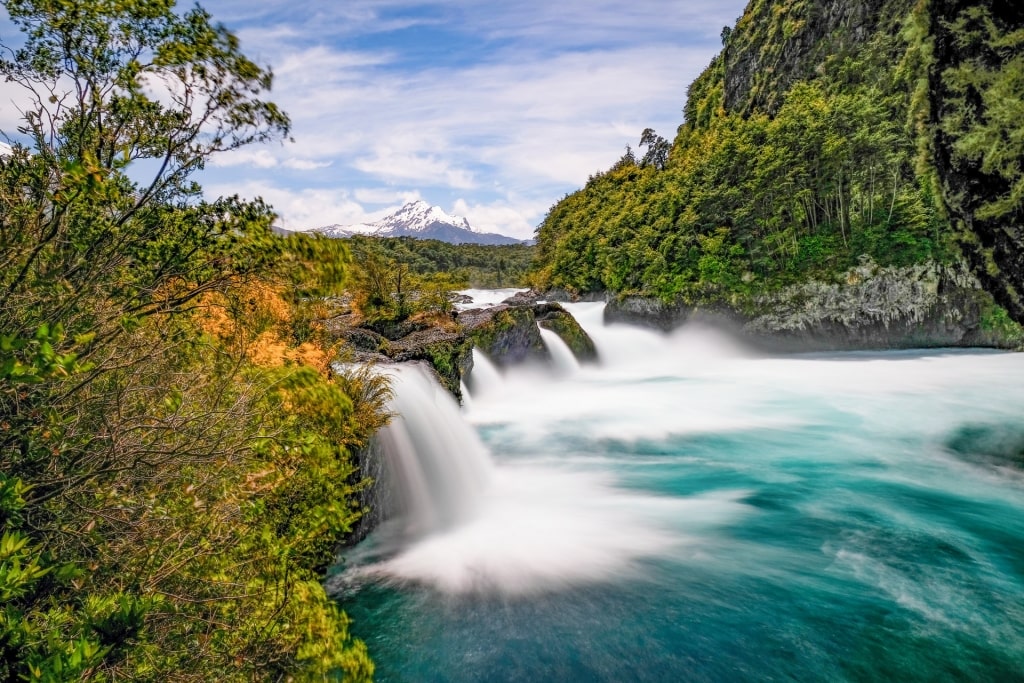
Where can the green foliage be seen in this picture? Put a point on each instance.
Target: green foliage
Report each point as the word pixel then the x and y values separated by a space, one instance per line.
pixel 475 265
pixel 997 322
pixel 176 466
pixel 987 123
pixel 387 288
pixel 804 177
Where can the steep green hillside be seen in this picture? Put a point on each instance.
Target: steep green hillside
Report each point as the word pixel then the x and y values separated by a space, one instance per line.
pixel 807 145
pixel 977 105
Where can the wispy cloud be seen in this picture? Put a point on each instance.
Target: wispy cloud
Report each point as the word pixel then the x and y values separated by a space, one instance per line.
pixel 492 110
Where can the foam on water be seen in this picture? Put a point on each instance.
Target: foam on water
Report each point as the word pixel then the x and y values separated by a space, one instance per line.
pixel 562 358
pixel 542 528
pixel 689 509
pixel 486 298
pixel 518 528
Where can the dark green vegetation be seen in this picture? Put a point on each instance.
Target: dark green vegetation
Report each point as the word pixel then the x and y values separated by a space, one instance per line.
pixel 470 265
pixel 176 460
pixel 978 103
pixel 823 131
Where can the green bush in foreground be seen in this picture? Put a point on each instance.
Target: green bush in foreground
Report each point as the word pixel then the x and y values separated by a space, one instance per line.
pixel 176 462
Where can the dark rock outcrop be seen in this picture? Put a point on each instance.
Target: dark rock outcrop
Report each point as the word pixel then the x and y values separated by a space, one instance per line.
pixel 507 334
pixel 553 317
pixel 647 312
pixel 919 306
pixel 449 353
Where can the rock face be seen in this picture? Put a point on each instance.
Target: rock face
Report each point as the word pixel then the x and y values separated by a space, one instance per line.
pixel 993 244
pixel 770 49
pixel 553 317
pixel 871 308
pixel 881 308
pixel 506 333
pixel 647 312
pixel 448 353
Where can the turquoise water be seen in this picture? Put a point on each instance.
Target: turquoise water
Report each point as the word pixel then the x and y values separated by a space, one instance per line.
pixel 690 511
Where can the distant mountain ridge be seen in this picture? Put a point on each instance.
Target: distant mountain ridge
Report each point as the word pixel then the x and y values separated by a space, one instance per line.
pixel 422 221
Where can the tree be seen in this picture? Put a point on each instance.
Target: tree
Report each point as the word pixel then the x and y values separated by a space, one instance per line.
pixel 657 149
pixel 174 465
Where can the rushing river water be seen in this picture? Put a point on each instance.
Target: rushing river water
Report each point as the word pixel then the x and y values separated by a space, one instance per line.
pixel 690 511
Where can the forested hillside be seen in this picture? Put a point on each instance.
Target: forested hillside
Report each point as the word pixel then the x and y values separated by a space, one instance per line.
pixel 176 459
pixel 808 144
pixel 466 265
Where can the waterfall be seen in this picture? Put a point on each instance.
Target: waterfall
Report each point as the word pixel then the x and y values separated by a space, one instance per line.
pixel 485 377
pixel 694 348
pixel 561 356
pixel 438 469
pixel 461 524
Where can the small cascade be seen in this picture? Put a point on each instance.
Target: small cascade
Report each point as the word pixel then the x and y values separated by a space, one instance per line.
pixel 692 348
pixel 562 356
pixel 438 469
pixel 485 377
pixel 467 398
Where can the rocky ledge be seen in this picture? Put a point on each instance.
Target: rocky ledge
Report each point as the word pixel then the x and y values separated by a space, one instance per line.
pixel 869 307
pixel 507 333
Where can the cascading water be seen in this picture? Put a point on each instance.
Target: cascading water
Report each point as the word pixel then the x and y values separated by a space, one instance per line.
pixel 562 357
pixel 438 468
pixel 689 510
pixel 485 378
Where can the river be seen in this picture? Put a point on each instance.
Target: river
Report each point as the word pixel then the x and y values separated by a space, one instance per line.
pixel 689 510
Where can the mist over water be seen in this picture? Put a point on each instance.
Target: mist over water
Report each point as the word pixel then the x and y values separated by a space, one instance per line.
pixel 691 510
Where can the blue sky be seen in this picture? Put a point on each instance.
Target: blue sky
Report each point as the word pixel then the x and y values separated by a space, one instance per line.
pixel 490 110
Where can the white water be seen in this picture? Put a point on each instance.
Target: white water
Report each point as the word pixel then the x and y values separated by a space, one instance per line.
pixel 485 378
pixel 486 298
pixel 690 510
pixel 439 469
pixel 558 513
pixel 562 357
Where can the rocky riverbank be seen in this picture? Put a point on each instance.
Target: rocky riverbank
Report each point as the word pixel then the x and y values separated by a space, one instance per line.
pixel 507 333
pixel 868 308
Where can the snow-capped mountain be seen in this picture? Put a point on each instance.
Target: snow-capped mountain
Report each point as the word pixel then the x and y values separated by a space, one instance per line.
pixel 421 220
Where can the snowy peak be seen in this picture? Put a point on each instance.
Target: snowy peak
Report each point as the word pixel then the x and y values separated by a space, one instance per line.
pixel 419 216
pixel 421 220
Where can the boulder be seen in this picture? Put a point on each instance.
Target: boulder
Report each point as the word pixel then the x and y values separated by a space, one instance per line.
pixel 507 334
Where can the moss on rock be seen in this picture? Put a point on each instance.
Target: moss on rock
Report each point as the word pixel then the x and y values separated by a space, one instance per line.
pixel 565 326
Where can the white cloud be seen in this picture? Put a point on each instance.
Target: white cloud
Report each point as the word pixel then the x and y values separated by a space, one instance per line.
pixel 262 157
pixel 390 164
pixel 386 196
pixel 509 127
pixel 306 208
pixel 515 221
pixel 258 157
pixel 305 164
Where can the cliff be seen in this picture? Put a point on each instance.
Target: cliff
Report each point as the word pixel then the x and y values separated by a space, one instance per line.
pixel 825 135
